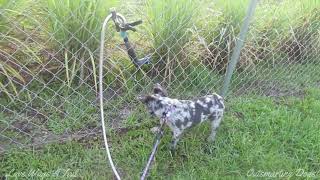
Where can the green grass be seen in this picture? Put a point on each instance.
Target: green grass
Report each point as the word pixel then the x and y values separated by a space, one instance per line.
pixel 257 133
pixel 283 77
pixel 77 112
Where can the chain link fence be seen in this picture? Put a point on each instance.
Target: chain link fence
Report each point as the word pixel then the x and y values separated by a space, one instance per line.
pixel 49 60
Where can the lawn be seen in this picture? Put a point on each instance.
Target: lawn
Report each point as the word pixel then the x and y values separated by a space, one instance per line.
pixel 259 137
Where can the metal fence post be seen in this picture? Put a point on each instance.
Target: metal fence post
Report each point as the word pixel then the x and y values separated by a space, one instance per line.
pixel 237 49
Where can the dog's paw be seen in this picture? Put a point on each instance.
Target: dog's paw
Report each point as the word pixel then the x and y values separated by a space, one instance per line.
pixel 211 139
pixel 155 130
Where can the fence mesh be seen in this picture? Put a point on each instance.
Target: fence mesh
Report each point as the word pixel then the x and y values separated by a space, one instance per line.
pixel 49 61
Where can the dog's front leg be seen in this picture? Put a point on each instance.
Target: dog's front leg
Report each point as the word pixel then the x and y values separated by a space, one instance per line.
pixel 156 129
pixel 176 137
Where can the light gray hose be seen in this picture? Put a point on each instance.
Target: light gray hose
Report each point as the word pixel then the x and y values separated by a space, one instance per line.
pixel 103 31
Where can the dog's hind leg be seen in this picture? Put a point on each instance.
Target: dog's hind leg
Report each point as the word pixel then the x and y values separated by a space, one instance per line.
pixel 215 123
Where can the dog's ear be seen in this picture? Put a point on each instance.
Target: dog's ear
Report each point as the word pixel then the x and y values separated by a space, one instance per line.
pixel 158 89
pixel 146 99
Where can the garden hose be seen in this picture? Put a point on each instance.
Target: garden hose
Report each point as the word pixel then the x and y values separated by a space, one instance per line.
pixel 104 26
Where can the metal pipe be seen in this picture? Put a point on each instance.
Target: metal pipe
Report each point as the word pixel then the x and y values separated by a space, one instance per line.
pixel 237 49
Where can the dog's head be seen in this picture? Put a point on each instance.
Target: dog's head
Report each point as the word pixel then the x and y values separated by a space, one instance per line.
pixel 153 101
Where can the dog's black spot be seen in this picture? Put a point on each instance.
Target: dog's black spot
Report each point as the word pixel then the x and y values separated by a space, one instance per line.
pixel 198 111
pixel 206 110
pixel 158 105
pixel 148 99
pixel 218 101
pixel 196 115
pixel 178 123
pixel 213 116
pixel 210 104
pixel 183 122
pixel 186 121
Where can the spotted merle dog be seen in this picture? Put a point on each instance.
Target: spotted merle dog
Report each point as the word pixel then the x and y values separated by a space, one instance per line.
pixel 183 114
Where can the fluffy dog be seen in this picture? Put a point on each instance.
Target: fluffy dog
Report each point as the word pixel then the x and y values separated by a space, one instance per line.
pixel 182 114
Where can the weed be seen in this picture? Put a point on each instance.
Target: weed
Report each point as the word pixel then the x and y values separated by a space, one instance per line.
pixel 169 24
pixel 76 26
pixel 219 31
pixel 16 55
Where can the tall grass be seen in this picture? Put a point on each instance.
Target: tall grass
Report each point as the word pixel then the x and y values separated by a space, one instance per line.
pixel 15 54
pixel 169 24
pixel 6 12
pixel 219 31
pixel 282 31
pixel 287 30
pixel 76 26
pixel 302 42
